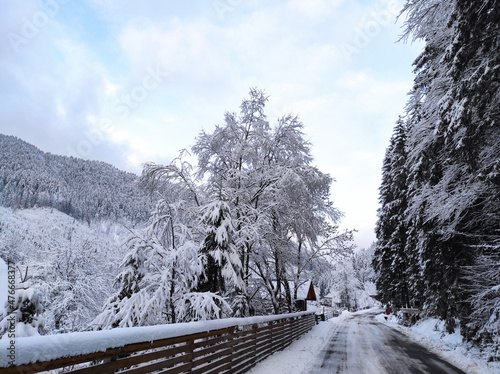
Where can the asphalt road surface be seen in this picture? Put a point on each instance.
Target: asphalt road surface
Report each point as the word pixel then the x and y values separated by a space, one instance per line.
pixel 360 344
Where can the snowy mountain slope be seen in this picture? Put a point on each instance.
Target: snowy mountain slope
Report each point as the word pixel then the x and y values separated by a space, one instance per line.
pixel 83 189
pixel 72 263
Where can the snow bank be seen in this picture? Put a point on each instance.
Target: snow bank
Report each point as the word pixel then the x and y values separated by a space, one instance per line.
pixel 302 354
pixel 51 347
pixel 431 333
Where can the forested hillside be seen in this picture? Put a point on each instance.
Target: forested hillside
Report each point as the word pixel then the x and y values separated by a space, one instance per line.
pixel 86 190
pixel 438 232
pixel 62 223
pixel 64 266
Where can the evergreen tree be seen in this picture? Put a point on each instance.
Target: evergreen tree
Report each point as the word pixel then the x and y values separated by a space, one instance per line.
pixel 391 260
pixel 24 311
pixel 484 287
pixel 128 281
pixel 453 189
pixel 221 258
pixel 161 272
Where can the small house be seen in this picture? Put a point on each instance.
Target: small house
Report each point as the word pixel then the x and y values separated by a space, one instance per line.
pixel 302 297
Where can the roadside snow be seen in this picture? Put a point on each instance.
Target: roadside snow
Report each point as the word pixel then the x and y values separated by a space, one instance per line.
pixel 302 354
pixel 432 334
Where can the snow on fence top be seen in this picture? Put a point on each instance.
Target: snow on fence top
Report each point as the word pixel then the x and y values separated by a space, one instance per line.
pixel 51 347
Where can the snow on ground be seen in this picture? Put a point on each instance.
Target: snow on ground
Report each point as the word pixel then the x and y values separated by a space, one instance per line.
pixel 432 334
pixel 302 354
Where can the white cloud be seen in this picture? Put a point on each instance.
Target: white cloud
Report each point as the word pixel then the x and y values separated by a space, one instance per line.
pixel 314 8
pixel 191 51
pixel 110 89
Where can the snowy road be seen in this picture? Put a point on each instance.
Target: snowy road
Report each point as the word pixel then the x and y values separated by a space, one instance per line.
pixel 360 344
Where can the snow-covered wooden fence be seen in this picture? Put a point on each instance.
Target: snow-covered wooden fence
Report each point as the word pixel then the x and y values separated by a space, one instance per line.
pixel 223 346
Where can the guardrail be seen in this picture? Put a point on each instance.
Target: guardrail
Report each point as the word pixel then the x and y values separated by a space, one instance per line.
pixel 234 348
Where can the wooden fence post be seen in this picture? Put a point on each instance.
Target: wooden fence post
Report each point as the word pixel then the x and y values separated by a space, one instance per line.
pixel 231 347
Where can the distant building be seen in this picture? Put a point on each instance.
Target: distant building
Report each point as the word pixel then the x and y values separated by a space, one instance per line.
pixel 327 300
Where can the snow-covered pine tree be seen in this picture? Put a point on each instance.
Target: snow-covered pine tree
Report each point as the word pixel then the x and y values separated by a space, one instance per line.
pixel 427 250
pixel 221 259
pixel 483 324
pixel 414 216
pixel 25 309
pixel 182 266
pixel 160 273
pixel 391 260
pixel 470 124
pixel 453 184
pixel 128 281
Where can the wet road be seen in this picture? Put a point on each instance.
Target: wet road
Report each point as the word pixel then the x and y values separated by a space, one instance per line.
pixel 360 344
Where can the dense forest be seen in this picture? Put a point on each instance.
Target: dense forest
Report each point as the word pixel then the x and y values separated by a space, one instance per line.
pixel 438 231
pixel 64 268
pixel 86 190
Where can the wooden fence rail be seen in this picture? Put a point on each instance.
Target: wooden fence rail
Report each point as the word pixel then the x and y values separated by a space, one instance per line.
pixel 233 349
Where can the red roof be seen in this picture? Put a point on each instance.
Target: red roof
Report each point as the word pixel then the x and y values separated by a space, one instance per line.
pixel 311 295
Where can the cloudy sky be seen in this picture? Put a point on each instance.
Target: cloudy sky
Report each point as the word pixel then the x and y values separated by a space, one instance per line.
pixel 128 82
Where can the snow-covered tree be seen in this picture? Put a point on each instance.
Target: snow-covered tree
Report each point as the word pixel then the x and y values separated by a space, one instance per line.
pixel 75 284
pixel 362 263
pixel 351 280
pixel 220 255
pixel 345 286
pixel 24 310
pixel 391 259
pixel 231 159
pixel 453 188
pixel 161 270
pixel 484 287
pixel 279 202
pixel 128 281
pixel 253 215
pixel 66 261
